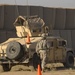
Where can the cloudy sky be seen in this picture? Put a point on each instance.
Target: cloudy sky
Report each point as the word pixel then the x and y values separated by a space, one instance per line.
pixel 45 3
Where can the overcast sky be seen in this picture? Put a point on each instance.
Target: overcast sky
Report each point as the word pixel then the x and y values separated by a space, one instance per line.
pixel 45 3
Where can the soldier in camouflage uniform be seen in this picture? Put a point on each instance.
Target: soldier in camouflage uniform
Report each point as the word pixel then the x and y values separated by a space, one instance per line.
pixel 41 48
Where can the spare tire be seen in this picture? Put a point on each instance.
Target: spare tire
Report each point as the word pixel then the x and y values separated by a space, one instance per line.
pixel 13 50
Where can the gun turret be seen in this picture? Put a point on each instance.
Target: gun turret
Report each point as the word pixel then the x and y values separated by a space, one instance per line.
pixel 32 25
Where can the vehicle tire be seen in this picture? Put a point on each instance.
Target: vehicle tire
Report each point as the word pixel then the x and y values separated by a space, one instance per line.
pixel 6 67
pixel 69 63
pixel 14 51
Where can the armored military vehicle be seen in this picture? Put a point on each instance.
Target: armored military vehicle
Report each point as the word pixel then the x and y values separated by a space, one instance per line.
pixel 22 50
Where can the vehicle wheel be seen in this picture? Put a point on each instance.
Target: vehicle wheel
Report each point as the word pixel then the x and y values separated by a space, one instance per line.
pixel 1 68
pixel 69 63
pixel 14 50
pixel 6 67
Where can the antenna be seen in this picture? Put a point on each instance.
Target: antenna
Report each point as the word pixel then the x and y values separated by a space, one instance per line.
pixel 17 8
pixel 51 30
pixel 27 9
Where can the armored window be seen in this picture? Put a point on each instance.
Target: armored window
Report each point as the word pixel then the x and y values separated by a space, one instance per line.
pixel 19 22
pixel 50 43
pixel 62 43
pixel 36 30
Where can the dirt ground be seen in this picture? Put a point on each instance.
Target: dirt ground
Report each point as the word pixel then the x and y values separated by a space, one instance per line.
pixel 56 71
pixel 59 72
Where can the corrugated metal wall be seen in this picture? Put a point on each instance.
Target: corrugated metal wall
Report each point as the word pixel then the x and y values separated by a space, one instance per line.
pixel 62 21
pixel 1 17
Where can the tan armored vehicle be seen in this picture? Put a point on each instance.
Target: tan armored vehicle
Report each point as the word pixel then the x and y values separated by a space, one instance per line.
pixel 21 50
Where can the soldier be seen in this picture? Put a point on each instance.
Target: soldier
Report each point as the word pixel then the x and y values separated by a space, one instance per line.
pixel 41 48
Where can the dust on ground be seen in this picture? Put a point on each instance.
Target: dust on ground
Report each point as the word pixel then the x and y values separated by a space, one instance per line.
pixel 57 71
